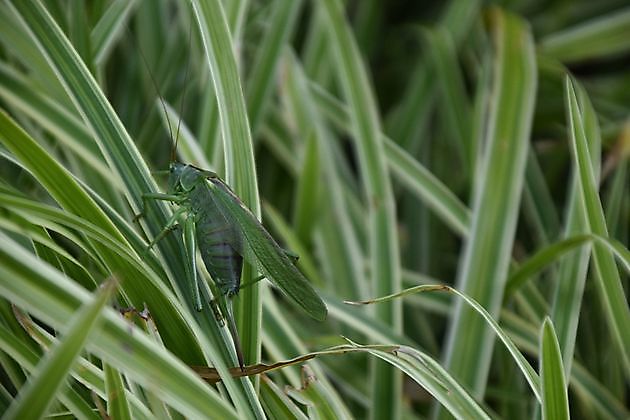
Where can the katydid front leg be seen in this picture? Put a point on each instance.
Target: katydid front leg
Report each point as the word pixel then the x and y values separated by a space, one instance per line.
pixel 171 224
pixel 173 198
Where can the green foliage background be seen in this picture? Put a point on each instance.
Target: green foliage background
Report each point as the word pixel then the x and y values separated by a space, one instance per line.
pixel 392 145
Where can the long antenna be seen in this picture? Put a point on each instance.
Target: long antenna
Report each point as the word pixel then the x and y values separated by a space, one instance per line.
pixel 155 87
pixel 181 106
pixel 175 139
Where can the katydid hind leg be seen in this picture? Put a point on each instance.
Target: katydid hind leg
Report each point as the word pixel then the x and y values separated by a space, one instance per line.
pixel 231 322
pixel 216 310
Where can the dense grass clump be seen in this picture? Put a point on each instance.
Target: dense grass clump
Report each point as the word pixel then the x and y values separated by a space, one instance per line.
pixel 453 176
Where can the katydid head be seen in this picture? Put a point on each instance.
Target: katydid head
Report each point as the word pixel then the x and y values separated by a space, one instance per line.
pixel 183 177
pixel 175 170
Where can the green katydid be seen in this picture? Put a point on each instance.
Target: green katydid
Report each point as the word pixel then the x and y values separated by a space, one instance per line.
pixel 217 224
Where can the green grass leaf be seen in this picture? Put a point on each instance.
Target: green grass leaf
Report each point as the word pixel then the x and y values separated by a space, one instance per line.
pixel 240 171
pixel 523 364
pixel 37 395
pixel 53 298
pixel 117 404
pixel 598 38
pixel 555 402
pixel 384 256
pixel 606 275
pixel 484 264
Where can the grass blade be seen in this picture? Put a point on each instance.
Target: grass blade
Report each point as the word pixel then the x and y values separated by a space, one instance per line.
pixel 542 258
pixel 237 145
pixel 572 270
pixel 53 298
pixel 606 275
pixel 384 255
pixel 37 395
pixel 407 170
pixel 599 38
pixel 437 381
pixel 555 402
pixel 452 97
pixel 523 364
pixel 277 404
pixel 483 271
pixel 108 29
pixel 117 404
pixel 263 70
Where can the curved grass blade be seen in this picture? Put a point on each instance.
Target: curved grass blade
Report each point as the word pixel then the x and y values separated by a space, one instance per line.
pixel 553 252
pixel 84 371
pixel 621 252
pixel 542 258
pixel 37 395
pixel 523 364
pixel 436 380
pixel 277 404
pixel 109 26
